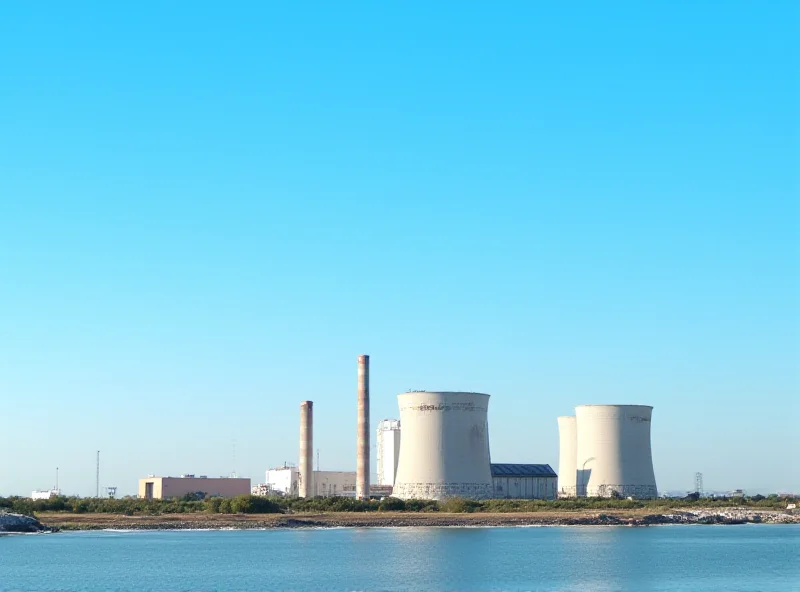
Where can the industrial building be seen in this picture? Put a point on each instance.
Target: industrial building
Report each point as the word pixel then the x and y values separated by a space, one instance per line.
pixel 44 494
pixel 612 452
pixel 444 450
pixel 388 438
pixel 285 481
pixel 523 481
pixel 168 487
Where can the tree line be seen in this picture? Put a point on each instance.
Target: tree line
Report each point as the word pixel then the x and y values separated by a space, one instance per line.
pixel 250 504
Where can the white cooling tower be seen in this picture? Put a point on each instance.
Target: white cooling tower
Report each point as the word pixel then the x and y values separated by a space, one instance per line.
pixel 614 455
pixel 444 451
pixel 567 455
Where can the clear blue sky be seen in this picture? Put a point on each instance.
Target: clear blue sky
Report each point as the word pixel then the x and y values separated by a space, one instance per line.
pixel 207 211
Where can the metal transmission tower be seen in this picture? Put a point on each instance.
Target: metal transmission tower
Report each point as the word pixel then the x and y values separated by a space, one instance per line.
pixel 698 483
pixel 112 491
pixel 97 477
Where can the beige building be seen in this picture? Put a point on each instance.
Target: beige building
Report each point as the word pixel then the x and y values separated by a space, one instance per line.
pixel 284 481
pixel 169 487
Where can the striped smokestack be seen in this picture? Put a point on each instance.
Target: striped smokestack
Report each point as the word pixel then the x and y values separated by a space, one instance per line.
pixel 306 485
pixel 362 441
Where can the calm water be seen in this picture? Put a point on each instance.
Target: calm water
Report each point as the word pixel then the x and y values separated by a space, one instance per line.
pixel 751 557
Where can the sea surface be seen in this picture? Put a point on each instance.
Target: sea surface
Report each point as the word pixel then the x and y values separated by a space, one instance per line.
pixel 692 558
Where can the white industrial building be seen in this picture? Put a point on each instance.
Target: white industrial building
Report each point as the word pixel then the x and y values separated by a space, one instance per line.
pixel 444 450
pixel 285 481
pixel 388 450
pixel 44 494
pixel 612 452
pixel 523 481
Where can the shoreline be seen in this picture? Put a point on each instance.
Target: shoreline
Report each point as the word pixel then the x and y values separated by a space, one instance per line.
pixel 631 518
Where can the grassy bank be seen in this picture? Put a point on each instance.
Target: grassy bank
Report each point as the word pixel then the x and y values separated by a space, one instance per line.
pixel 247 504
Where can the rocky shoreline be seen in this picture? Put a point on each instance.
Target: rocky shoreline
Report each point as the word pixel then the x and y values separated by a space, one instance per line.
pixel 19 523
pixel 400 519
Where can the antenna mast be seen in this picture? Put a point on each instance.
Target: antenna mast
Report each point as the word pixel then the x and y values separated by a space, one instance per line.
pixel 97 477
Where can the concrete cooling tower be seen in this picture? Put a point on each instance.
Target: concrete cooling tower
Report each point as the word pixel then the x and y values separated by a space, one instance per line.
pixel 614 455
pixel 567 455
pixel 444 451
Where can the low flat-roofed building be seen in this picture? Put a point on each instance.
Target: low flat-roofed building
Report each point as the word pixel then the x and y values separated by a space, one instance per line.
pixel 284 481
pixel 45 494
pixel 523 481
pixel 169 487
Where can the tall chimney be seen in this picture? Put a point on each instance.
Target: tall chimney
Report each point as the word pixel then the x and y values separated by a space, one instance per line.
pixel 306 485
pixel 362 442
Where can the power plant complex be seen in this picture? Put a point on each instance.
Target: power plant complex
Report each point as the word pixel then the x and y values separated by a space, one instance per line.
pixel 605 452
pixel 439 449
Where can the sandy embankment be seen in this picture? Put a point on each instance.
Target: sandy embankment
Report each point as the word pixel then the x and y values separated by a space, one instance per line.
pixel 641 517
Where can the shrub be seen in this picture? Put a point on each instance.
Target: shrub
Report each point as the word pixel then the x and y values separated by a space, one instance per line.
pixel 459 505
pixel 391 504
pixel 417 505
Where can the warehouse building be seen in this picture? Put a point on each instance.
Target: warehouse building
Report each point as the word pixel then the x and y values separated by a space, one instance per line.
pixel 522 481
pixel 168 487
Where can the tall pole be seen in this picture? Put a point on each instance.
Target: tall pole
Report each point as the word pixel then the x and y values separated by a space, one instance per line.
pixel 306 485
pixel 362 437
pixel 97 477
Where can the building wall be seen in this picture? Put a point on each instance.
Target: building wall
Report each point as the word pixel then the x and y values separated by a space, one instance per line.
pixel 388 450
pixel 169 487
pixel 567 456
pixel 43 494
pixel 613 452
pixel 284 480
pixel 518 487
pixel 155 485
pixel 444 451
pixel 333 483
pixel 326 483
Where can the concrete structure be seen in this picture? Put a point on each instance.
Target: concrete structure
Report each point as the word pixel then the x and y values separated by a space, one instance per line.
pixel 43 494
pixel 522 481
pixel 169 487
pixel 362 438
pixel 444 451
pixel 380 491
pixel 335 483
pixel 262 490
pixel 306 483
pixel 388 450
pixel 286 481
pixel 613 452
pixel 567 456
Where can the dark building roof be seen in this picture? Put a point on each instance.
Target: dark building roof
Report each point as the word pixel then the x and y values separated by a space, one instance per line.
pixel 515 470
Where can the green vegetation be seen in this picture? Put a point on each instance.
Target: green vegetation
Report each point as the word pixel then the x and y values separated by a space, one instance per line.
pixel 248 504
